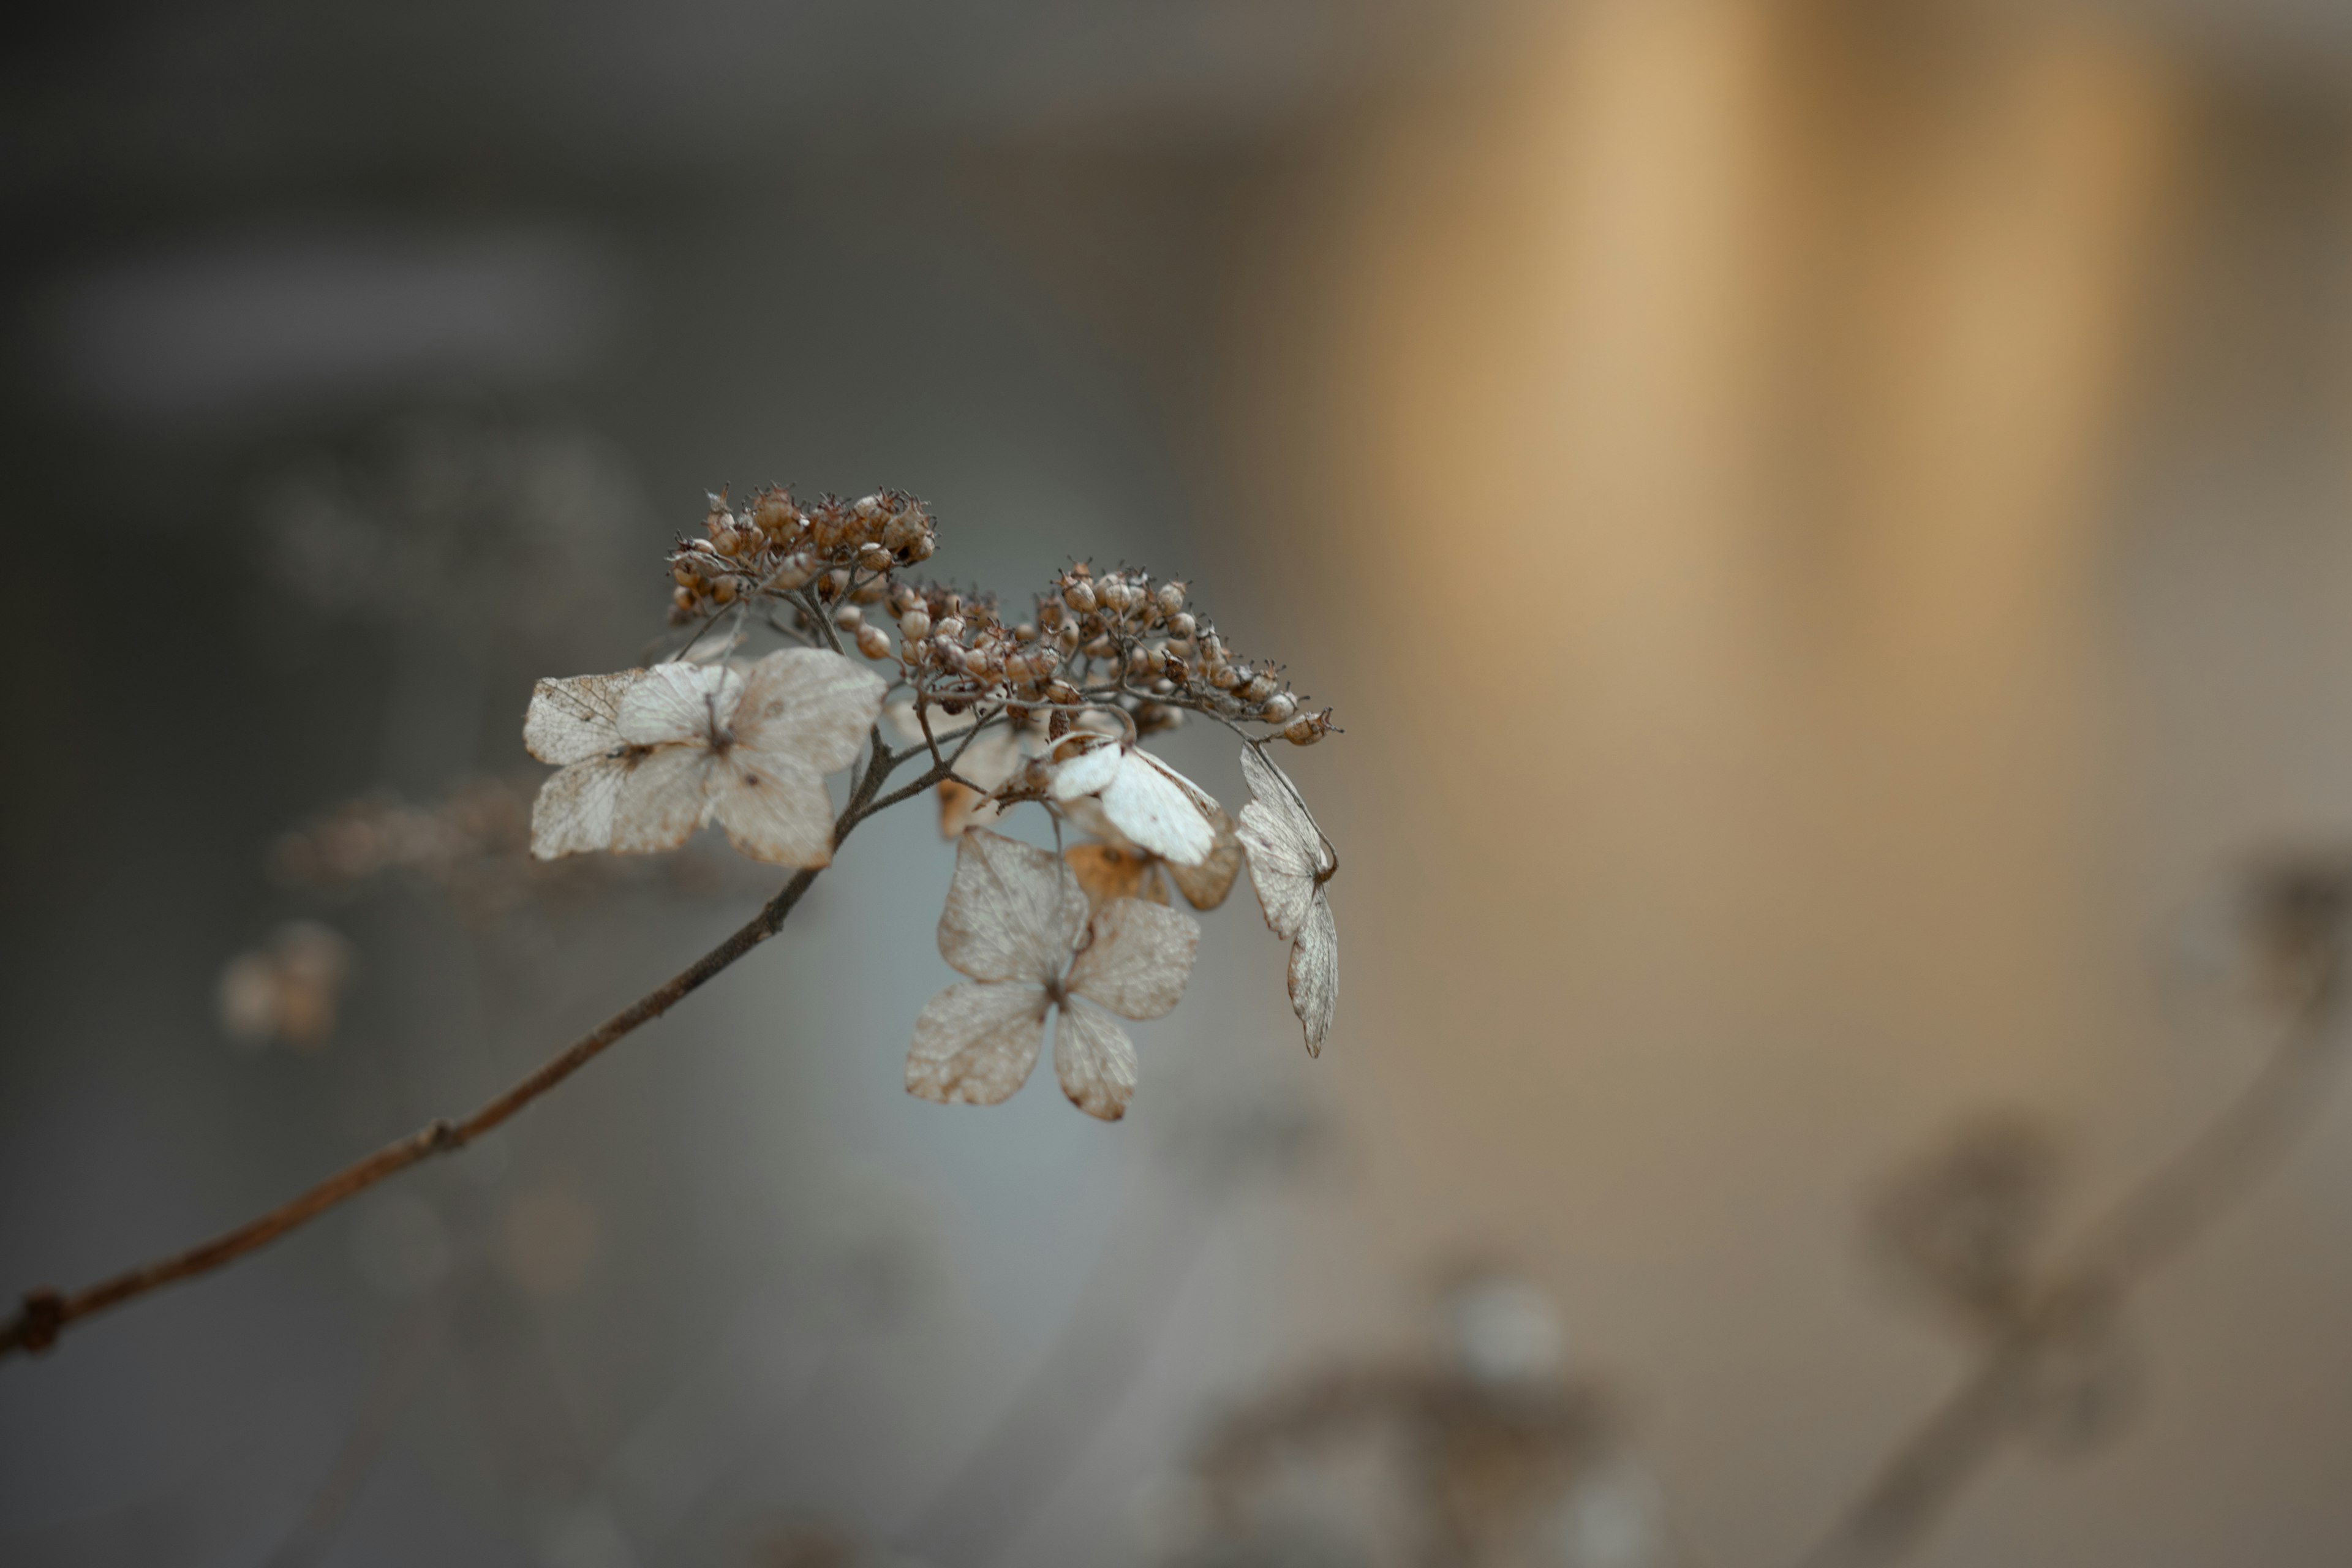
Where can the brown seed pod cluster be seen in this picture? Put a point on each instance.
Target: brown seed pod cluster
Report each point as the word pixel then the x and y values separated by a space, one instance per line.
pixel 1116 640
pixel 774 546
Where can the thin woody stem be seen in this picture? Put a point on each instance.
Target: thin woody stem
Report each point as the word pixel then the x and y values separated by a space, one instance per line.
pixel 47 1312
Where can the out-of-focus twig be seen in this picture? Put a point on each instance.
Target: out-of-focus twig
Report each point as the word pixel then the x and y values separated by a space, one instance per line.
pixel 2064 1320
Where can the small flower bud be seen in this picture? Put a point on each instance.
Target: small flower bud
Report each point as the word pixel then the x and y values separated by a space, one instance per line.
pixel 1079 595
pixel 915 624
pixel 1279 707
pixel 1181 625
pixel 1171 597
pixel 873 642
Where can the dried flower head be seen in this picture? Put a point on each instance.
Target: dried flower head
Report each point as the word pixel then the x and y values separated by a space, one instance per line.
pixel 1116 867
pixel 1017 922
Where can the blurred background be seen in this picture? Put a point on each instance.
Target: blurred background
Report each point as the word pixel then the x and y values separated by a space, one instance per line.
pixel 1824 525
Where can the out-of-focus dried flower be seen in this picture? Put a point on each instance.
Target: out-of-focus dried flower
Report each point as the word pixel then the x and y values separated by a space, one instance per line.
pixel 1291 863
pixel 287 988
pixel 1017 922
pixel 1961 1225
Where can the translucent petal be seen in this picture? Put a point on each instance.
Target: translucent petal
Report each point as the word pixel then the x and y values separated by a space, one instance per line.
pixel 1314 973
pixel 679 702
pixel 773 806
pixel 1286 853
pixel 974 1045
pixel 572 720
pixel 1095 1062
pixel 1013 912
pixel 1137 958
pixel 574 813
pixel 810 702
pixel 1160 809
pixel 663 799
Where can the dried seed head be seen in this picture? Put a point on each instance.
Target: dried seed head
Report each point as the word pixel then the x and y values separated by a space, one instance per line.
pixel 1079 594
pixel 873 642
pixel 1062 691
pixel 1279 707
pixel 915 624
pixel 952 627
pixel 791 574
pixel 849 617
pixel 1171 597
pixel 1307 728
pixel 1179 625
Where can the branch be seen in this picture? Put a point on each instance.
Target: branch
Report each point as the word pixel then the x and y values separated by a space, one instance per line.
pixel 46 1312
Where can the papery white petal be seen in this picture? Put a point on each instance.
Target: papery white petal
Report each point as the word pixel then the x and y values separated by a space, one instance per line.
pixel 663 801
pixel 574 813
pixel 1138 958
pixel 811 701
pixel 1314 973
pixel 1095 1062
pixel 1160 809
pixel 574 719
pixel 1013 912
pixel 773 806
pixel 679 703
pixel 974 1045
pixel 1084 768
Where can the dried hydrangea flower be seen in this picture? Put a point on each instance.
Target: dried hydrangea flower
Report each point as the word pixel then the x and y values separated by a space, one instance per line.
pixel 1152 805
pixel 1017 923
pixel 1290 862
pixel 1115 868
pixel 692 743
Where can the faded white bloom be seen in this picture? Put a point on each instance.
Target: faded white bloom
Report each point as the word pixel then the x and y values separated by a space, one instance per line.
pixel 1016 923
pixel 650 756
pixel 1117 868
pixel 1291 861
pixel 1152 805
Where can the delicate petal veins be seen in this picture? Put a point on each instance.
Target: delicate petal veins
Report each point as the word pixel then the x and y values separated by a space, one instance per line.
pixel 572 720
pixel 1013 912
pixel 1109 872
pixel 1286 849
pixel 811 701
pixel 1314 973
pixel 1160 809
pixel 773 806
pixel 663 799
pixel 1138 958
pixel 974 1045
pixel 1204 886
pixel 679 703
pixel 574 813
pixel 1095 1062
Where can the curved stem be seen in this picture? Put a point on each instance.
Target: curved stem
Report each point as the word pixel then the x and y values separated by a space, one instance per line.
pixel 47 1312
